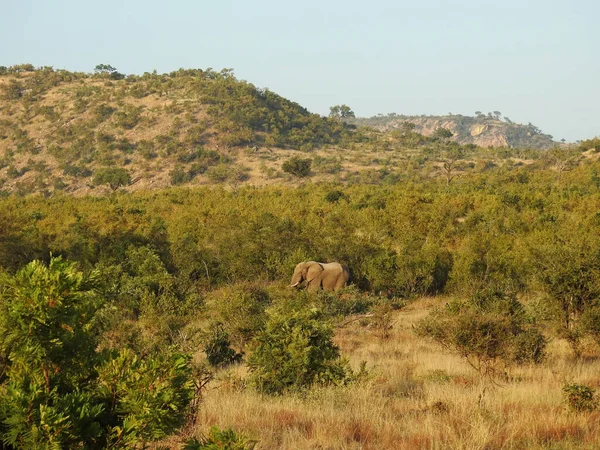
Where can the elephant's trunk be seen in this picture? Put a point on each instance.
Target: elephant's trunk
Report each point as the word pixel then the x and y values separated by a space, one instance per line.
pixel 296 279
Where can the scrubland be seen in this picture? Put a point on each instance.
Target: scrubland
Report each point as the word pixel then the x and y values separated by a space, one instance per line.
pixel 135 312
pixel 416 395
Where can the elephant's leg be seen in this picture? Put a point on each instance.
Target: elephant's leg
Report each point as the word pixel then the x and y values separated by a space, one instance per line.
pixel 340 283
pixel 313 285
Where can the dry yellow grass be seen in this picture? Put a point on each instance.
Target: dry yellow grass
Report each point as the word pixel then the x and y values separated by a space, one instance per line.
pixel 418 397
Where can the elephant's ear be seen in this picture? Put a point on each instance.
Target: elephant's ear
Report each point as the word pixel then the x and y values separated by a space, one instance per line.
pixel 314 271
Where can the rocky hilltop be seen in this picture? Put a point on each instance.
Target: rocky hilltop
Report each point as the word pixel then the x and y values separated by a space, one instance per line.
pixel 482 130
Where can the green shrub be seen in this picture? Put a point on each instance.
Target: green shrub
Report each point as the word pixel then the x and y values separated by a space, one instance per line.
pixel 47 340
pixel 335 196
pixel 347 301
pixel 590 322
pixel 240 308
pixel 579 397
pixel 113 176
pixel 58 390
pixel 76 171
pixel 129 117
pixel 179 176
pixel 297 166
pixel 103 112
pixel 530 346
pixel 294 352
pixel 220 440
pixel 219 173
pixel 12 90
pixel 147 396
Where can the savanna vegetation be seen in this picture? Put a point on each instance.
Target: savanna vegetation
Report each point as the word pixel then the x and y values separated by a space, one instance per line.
pixel 64 131
pixel 163 318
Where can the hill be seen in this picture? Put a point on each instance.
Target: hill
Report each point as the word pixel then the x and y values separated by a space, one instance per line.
pixel 92 133
pixel 59 128
pixel 482 130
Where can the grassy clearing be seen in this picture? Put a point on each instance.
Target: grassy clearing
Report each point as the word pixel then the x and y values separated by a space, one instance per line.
pixel 417 396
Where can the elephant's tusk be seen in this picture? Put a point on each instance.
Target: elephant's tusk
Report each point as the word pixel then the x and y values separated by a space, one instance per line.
pixel 295 284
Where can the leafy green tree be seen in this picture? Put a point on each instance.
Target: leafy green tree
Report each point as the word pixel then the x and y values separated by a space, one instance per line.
pixel 294 352
pixel 340 112
pixel 58 390
pixel 590 144
pixel 442 133
pixel 568 271
pixel 115 177
pixel 145 398
pixel 107 69
pixel 104 68
pixel 563 160
pixel 47 339
pixel 297 166
pixel 240 308
pixel 449 157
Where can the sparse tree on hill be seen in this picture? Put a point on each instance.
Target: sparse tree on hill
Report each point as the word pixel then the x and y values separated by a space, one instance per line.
pixel 297 166
pixel 563 160
pixel 449 158
pixel 107 69
pixel 442 134
pixel 340 112
pixel 113 176
pixel 407 127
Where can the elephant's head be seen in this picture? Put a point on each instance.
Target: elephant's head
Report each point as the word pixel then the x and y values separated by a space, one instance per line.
pixel 306 271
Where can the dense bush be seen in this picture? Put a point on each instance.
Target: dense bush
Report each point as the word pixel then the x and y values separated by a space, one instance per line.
pixel 297 166
pixel 218 439
pixel 113 176
pixel 58 389
pixel 294 352
pixel 568 271
pixel 240 308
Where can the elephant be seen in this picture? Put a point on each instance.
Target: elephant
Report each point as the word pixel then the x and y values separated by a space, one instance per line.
pixel 329 276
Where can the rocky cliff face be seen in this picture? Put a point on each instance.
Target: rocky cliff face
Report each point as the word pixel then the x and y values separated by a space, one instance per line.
pixel 483 131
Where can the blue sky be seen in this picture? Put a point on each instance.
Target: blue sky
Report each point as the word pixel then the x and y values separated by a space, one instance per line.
pixel 535 61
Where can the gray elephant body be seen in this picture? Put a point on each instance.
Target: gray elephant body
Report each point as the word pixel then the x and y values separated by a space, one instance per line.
pixel 329 276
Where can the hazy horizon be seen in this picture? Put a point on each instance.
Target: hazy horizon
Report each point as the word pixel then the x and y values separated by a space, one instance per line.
pixel 534 62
